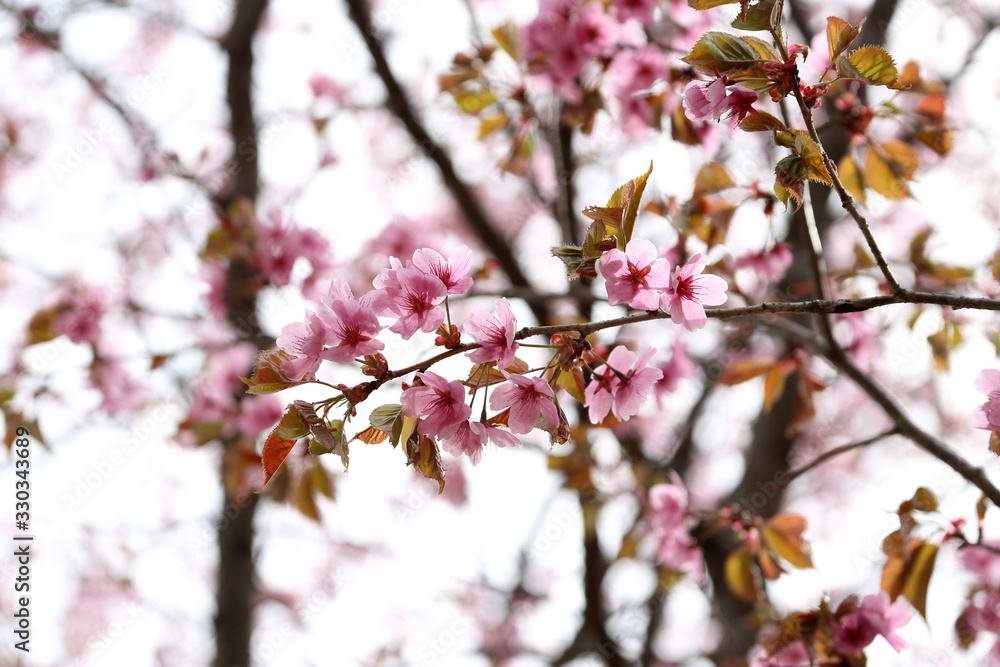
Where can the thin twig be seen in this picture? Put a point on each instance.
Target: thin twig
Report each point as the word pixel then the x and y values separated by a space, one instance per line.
pixel 837 451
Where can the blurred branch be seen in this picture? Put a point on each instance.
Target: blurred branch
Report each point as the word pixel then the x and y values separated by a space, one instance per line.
pixel 398 104
pixel 237 582
pixel 837 451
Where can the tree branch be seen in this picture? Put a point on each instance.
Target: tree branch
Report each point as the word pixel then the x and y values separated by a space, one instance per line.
pixel 398 104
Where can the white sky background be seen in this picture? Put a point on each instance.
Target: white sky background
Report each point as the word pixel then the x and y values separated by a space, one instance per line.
pixel 61 227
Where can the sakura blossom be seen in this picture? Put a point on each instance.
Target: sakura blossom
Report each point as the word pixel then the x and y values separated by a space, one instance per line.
pixel 81 319
pixel 987 415
pixel 634 276
pixel 768 263
pixel 689 291
pixel 438 403
pixel 453 272
pixel 790 655
pixel 716 100
pixel 875 616
pixel 623 386
pixel 306 341
pixel 413 297
pixel 527 398
pixel 495 334
pixel 640 10
pixel 351 332
pixel 467 439
pixel 670 524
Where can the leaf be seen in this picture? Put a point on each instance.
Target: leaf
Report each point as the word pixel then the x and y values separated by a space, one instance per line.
pixel 267 376
pixel 702 5
pixel 939 139
pixel 304 497
pixel 851 177
pixel 473 101
pixel 507 38
pixel 756 17
pixel 774 386
pixel 994 442
pixel 424 456
pixel 917 576
pixel 769 567
pixel 871 64
pixel 746 369
pixel 782 534
pixel 328 436
pixel 491 124
pixel 275 452
pixel 923 501
pixel 384 417
pixel 806 163
pixel 291 426
pixel 740 575
pixel 371 436
pixel 712 178
pixel 761 121
pixel 723 54
pixel 888 166
pixel 628 197
pixel 840 34
pixel 572 383
pixel 40 328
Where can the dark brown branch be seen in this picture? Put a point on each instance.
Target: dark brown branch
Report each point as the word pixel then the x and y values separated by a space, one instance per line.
pixel 398 104
pixel 236 577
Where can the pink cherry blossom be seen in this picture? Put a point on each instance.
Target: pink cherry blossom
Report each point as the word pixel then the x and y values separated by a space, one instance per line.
pixel 323 85
pixel 81 319
pixel 438 403
pixel 468 439
pixel 495 334
pixel 680 367
pixel 670 524
pixel 716 99
pixel 984 563
pixel 634 276
pixel 454 273
pixel 259 414
pixel 640 10
pixel 875 616
pixel 624 391
pixel 413 298
pixel 120 393
pixel 352 331
pixel 768 263
pixel 790 655
pixel 527 398
pixel 279 244
pixel 987 415
pixel 305 340
pixel 690 290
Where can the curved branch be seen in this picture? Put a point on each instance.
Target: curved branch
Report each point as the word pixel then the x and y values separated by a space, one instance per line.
pixel 398 104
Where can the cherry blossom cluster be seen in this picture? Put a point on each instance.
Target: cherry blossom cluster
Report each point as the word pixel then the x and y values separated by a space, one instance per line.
pixel 641 279
pixel 411 297
pixel 849 633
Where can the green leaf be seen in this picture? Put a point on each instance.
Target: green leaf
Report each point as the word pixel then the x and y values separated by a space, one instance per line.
pixel 631 194
pixel 840 34
pixel 291 426
pixel 871 64
pixel 756 17
pixel 723 53
pixel 384 417
pixel 807 161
